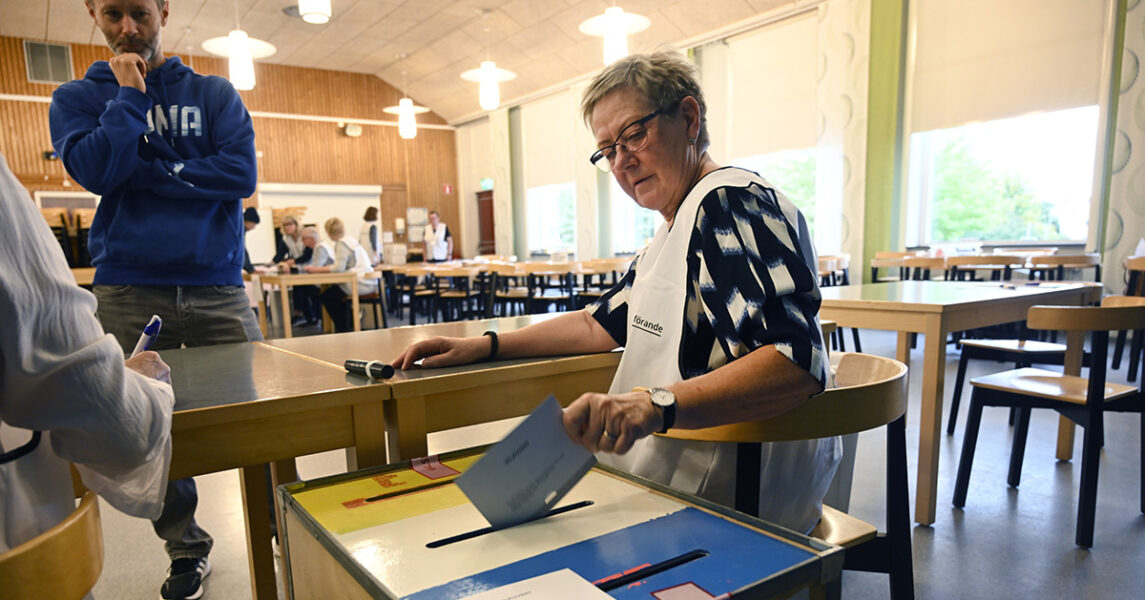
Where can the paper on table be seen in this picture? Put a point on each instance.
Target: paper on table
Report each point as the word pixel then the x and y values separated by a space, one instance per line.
pixel 525 474
pixel 558 585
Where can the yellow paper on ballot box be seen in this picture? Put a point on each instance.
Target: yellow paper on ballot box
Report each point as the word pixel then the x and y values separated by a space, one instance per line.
pixel 383 498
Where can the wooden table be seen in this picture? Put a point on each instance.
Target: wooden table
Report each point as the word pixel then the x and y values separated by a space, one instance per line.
pixel 245 405
pixel 423 401
pixel 285 280
pixel 84 275
pixel 936 308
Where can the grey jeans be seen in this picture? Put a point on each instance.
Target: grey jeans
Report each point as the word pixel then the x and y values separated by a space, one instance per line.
pixel 192 316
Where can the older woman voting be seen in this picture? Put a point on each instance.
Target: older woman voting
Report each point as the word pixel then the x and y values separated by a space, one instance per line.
pixel 718 315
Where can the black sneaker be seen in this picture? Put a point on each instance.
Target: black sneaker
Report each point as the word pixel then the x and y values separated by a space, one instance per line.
pixel 185 580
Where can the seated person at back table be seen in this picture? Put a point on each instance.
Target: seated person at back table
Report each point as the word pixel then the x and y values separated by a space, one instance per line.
pixel 348 256
pixel 290 248
pixel 718 314
pixel 318 254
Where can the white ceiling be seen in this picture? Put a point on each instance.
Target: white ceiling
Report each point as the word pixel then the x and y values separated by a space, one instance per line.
pixel 538 39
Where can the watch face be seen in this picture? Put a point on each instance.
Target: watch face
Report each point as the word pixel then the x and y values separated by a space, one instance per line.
pixel 663 397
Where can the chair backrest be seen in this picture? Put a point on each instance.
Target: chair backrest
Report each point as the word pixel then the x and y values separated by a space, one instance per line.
pixel 870 391
pixel 893 254
pixel 985 260
pixel 64 562
pixel 1115 313
pixel 84 217
pixel 57 217
pixel 918 266
pixel 1088 259
pixel 1135 271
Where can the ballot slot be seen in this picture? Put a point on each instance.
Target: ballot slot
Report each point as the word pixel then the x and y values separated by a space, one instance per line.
pixel 468 535
pixel 650 570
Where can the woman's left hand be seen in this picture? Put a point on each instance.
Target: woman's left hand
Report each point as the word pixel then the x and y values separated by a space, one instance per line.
pixel 611 423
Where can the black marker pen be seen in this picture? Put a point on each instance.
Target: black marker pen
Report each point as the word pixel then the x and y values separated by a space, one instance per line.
pixel 374 369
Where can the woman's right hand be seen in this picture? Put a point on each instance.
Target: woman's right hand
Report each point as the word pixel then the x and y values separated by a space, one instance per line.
pixel 443 352
pixel 149 364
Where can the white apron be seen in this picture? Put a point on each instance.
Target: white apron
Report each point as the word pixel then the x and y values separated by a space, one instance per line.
pixel 794 475
pixel 35 489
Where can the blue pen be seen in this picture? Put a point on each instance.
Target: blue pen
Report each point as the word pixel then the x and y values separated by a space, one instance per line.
pixel 150 333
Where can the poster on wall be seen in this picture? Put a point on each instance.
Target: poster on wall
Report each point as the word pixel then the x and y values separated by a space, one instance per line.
pixel 416 220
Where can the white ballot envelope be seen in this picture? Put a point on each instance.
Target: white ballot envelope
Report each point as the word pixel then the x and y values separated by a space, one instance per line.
pixel 558 585
pixel 524 475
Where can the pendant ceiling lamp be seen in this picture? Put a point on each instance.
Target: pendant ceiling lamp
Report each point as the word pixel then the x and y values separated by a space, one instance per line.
pixel 615 26
pixel 406 111
pixel 315 11
pixel 489 76
pixel 241 50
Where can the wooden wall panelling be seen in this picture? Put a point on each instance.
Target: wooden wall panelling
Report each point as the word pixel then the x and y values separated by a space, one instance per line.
pixel 411 171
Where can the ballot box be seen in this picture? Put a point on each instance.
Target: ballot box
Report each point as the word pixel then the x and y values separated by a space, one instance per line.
pixel 407 531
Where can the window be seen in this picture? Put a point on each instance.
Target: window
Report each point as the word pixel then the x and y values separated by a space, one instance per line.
pixel 791 172
pixel 1026 178
pixel 632 225
pixel 552 217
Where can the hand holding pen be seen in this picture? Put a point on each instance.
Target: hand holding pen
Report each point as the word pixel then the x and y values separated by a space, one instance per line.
pixel 145 362
pixel 150 334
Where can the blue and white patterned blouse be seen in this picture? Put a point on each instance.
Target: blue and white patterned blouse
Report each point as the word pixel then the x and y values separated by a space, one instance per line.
pixel 750 286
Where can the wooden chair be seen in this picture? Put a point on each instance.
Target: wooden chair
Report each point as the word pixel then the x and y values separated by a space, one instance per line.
pixel 1053 266
pixel 550 286
pixel 376 300
pixel 1135 273
pixel 62 563
pixel 1082 400
pixel 830 275
pixel 83 219
pixel 888 260
pixel 870 392
pixel 1000 266
pixel 506 296
pixel 58 221
pixel 842 269
pixel 922 268
pixel 456 295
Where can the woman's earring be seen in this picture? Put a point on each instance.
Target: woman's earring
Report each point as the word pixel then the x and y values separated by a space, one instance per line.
pixel 691 141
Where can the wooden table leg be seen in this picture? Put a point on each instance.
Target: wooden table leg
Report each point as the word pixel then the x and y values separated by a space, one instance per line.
pixel 282 471
pixel 406 428
pixel 354 305
pixel 282 291
pixel 369 437
pixel 262 323
pixel 260 556
pixel 930 421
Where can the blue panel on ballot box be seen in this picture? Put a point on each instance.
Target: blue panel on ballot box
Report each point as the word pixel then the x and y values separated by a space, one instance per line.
pixel 737 557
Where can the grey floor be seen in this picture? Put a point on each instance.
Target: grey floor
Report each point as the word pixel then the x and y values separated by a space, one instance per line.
pixel 1006 543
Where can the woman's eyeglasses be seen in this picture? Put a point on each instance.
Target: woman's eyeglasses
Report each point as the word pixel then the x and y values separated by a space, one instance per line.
pixel 633 138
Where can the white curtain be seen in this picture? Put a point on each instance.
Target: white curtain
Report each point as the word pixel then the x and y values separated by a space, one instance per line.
pixel 981 60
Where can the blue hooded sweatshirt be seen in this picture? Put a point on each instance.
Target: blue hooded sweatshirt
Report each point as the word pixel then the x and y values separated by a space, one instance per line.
pixel 172 167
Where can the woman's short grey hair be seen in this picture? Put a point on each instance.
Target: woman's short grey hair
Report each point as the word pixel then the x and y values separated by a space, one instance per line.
pixel 663 78
pixel 309 231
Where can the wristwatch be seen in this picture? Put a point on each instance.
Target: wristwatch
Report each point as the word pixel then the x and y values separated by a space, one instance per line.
pixel 666 400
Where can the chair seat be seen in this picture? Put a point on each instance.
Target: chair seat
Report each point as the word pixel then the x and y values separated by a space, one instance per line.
pixel 368 297
pixel 1041 383
pixel 459 294
pixel 841 529
pixel 513 293
pixel 1015 346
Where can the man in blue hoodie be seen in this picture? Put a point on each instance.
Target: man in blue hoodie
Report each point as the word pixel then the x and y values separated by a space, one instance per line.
pixel 171 153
